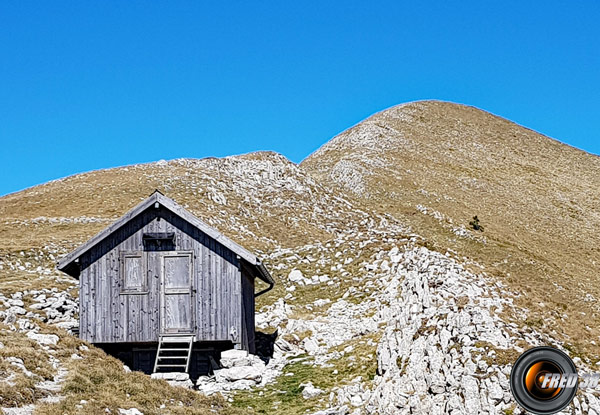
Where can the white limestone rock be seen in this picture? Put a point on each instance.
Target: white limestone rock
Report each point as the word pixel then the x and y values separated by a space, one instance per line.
pixel 238 373
pixel 45 339
pixel 310 391
pixel 234 357
pixel 131 411
pixel 179 379
pixel 296 276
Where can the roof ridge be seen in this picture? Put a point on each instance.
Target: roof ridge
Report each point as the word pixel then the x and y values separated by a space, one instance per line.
pixel 170 204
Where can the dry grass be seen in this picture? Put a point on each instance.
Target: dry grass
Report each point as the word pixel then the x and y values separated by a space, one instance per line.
pixel 268 200
pixel 96 378
pixel 536 198
pixel 101 382
pixel 500 356
pixel 20 387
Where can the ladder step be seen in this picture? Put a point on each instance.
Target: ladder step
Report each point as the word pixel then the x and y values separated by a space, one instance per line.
pixel 172 357
pixel 174 350
pixel 170 366
pixel 177 339
pixel 176 356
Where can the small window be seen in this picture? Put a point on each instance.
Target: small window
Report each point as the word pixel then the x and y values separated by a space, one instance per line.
pixel 133 275
pixel 159 241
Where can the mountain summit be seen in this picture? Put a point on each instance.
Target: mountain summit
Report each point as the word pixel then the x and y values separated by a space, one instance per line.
pixel 435 165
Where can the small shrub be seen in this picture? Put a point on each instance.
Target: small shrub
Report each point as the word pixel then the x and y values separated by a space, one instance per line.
pixel 475 224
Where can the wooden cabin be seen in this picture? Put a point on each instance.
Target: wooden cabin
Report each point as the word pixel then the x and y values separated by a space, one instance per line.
pixel 159 278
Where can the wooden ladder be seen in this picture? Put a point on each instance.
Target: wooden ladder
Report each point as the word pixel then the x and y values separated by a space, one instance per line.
pixel 174 351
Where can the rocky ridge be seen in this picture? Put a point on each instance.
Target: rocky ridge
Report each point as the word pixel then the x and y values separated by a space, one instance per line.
pixel 435 165
pixel 445 348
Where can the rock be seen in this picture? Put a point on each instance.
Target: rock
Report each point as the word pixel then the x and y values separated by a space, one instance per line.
pixel 8 318
pixel 321 302
pixel 23 410
pixel 238 373
pixel 282 346
pixel 46 339
pixel 131 411
pixel 296 276
pixel 16 310
pixel 26 325
pixel 310 345
pixel 67 325
pixel 39 298
pixel 234 357
pixel 356 400
pixel 17 362
pixel 176 376
pixel 16 303
pixel 310 391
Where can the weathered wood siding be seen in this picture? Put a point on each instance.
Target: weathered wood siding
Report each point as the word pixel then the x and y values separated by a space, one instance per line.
pixel 107 314
pixel 247 341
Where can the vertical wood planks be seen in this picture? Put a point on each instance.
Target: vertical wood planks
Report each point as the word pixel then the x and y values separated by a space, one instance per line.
pixel 222 299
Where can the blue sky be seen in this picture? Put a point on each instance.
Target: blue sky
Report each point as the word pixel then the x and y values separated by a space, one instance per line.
pixel 89 85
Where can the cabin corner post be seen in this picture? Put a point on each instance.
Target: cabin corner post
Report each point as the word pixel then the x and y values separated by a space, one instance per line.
pixel 240 340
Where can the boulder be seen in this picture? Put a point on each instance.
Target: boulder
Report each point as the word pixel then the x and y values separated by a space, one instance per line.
pixel 16 303
pixel 47 339
pixel 131 411
pixel 296 276
pixel 310 391
pixel 16 310
pixel 234 357
pixel 178 376
pixel 238 373
pixel 180 379
pixel 67 325
pixel 310 345
pixel 356 400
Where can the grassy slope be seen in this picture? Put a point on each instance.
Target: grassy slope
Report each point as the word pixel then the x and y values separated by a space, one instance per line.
pixel 105 195
pixel 94 377
pixel 261 200
pixel 537 199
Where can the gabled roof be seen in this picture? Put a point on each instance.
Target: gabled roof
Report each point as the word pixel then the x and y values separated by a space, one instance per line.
pixel 171 205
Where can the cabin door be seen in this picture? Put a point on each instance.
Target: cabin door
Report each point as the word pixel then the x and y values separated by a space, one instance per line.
pixel 176 305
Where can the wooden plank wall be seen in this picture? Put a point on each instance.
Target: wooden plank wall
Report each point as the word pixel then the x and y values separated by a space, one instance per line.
pixel 247 342
pixel 107 315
